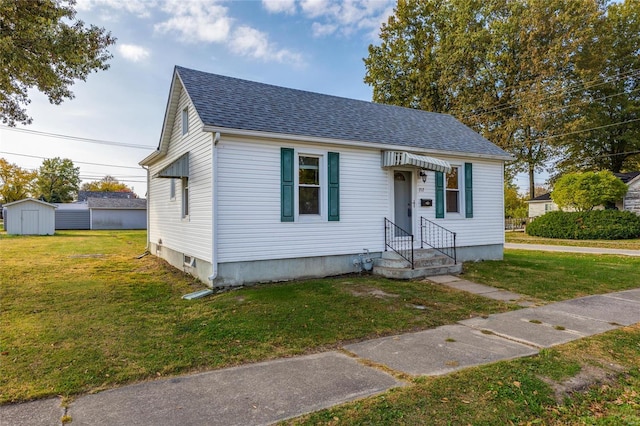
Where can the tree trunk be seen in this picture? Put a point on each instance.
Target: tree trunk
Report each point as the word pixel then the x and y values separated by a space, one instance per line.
pixel 532 183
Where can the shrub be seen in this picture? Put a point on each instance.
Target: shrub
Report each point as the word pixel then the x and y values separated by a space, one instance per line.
pixel 589 225
pixel 587 190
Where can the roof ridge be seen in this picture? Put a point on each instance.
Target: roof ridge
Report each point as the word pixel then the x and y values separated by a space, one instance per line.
pixel 342 98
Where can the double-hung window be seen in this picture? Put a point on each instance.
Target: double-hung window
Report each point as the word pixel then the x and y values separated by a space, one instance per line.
pixel 309 185
pixel 454 192
pixel 185 197
pixel 309 189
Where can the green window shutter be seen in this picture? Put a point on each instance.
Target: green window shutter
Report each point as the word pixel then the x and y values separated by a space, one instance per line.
pixel 286 184
pixel 468 190
pixel 439 195
pixel 333 167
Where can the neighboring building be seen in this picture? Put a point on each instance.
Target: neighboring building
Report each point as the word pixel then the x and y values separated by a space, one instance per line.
pixel 253 182
pixel 631 202
pixel 29 217
pixel 114 213
pixel 73 216
pixel 541 204
pixel 103 213
pixel 83 196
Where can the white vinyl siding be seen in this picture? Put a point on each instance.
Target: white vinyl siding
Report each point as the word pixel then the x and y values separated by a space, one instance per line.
pixel 487 224
pixel 249 223
pixel 192 237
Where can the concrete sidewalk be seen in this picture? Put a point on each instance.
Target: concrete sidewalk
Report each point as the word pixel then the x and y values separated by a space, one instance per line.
pixel 264 393
pixel 571 249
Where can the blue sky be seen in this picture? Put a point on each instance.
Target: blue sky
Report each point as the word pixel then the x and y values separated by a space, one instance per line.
pixel 314 45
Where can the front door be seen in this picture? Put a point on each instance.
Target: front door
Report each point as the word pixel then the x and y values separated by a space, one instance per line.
pixel 402 200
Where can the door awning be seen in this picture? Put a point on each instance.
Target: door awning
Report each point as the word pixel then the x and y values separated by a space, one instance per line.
pixel 177 169
pixel 399 158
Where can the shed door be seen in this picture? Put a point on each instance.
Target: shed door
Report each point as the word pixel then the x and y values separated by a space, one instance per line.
pixel 30 222
pixel 402 200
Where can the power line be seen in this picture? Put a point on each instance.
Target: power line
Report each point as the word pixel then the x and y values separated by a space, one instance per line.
pixel 79 162
pixel 76 138
pixel 512 104
pixel 588 130
pixel 576 132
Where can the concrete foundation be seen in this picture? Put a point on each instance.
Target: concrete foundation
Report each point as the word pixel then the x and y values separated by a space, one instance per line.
pixel 273 270
pixel 477 253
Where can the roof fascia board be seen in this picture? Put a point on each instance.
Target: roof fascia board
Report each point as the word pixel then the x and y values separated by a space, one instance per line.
pixel 24 200
pixel 634 180
pixel 169 111
pixel 343 142
pixel 167 127
pixel 150 159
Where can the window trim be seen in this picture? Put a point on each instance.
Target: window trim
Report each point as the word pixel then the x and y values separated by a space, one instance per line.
pixel 465 193
pixel 458 190
pixel 185 121
pixel 185 205
pixel 322 185
pixel 172 189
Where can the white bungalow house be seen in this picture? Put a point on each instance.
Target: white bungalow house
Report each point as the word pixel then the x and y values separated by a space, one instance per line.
pixel 253 182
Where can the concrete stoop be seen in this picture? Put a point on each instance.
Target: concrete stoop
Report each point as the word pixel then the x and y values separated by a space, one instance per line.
pixel 427 263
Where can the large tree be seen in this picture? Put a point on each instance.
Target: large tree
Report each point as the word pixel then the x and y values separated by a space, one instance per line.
pixel 44 46
pixel 608 99
pixel 58 180
pixel 499 66
pixel 16 183
pixel 106 184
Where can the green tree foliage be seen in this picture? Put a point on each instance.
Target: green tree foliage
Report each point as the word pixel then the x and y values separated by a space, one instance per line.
pixel 44 46
pixel 514 205
pixel 609 94
pixel 106 184
pixel 58 180
pixel 584 191
pixel 499 66
pixel 16 183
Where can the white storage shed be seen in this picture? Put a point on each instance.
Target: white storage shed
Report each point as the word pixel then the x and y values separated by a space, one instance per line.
pixel 29 217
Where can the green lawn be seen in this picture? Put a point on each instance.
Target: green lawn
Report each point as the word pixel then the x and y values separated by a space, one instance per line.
pixel 556 276
pixel 522 238
pixel 528 391
pixel 80 313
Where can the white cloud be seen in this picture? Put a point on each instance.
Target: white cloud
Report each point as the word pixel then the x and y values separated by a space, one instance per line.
pixel 247 41
pixel 347 16
pixel 197 21
pixel 139 8
pixel 133 52
pixel 280 6
pixel 321 30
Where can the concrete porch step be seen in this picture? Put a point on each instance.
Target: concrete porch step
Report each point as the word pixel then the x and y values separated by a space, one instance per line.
pixel 421 272
pixel 427 263
pixel 399 262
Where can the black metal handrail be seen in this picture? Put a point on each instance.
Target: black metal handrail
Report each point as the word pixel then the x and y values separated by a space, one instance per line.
pixel 398 240
pixel 438 238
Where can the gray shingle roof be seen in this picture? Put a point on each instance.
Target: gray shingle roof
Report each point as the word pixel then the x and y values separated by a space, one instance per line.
pixel 627 177
pixel 232 103
pixel 543 197
pixel 117 203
